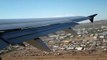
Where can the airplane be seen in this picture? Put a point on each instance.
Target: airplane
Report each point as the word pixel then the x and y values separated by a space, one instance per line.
pixel 17 31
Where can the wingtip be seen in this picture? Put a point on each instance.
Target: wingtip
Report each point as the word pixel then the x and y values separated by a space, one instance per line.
pixel 91 17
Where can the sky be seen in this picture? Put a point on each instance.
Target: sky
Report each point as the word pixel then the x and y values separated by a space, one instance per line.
pixel 52 8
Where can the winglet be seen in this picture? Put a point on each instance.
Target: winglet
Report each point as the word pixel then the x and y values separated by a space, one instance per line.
pixel 91 17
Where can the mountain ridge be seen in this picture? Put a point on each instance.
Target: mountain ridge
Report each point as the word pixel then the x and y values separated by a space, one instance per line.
pixel 93 25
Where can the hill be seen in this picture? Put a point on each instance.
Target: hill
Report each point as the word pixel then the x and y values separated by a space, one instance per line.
pixel 93 25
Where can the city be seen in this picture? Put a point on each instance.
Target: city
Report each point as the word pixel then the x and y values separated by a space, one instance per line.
pixel 87 41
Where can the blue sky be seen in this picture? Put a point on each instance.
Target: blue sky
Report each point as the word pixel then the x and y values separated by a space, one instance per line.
pixel 51 8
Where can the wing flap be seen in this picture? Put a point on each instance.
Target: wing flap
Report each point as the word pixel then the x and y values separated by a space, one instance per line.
pixel 38 43
pixel 71 31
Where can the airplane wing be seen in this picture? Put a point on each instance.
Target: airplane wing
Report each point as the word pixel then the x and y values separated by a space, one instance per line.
pixel 11 34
